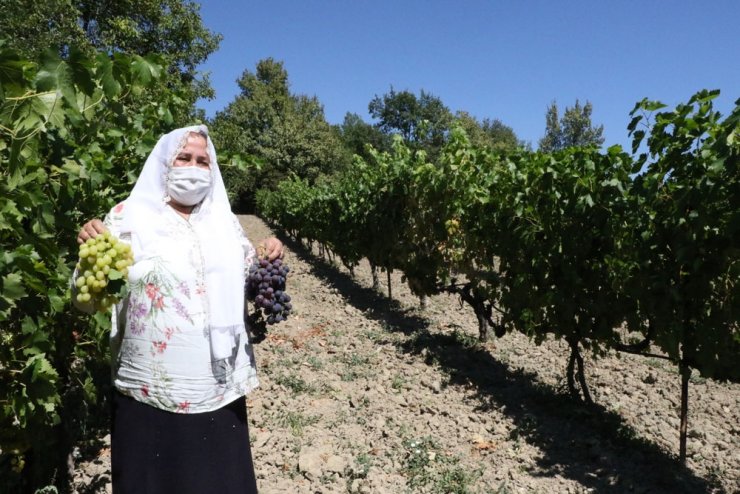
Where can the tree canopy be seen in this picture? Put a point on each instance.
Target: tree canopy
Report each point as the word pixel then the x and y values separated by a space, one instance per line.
pixel 288 132
pixel 356 134
pixel 423 122
pixel 573 129
pixel 493 134
pixel 171 29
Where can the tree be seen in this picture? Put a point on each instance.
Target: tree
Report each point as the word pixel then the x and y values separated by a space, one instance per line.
pixel 422 122
pixel 489 133
pixel 171 29
pixel 265 96
pixel 573 129
pixel 287 132
pixel 356 134
pixel 33 26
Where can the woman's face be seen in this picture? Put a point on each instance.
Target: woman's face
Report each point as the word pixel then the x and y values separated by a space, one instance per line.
pixel 194 153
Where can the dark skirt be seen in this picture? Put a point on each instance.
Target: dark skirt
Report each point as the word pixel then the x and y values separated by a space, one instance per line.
pixel 158 452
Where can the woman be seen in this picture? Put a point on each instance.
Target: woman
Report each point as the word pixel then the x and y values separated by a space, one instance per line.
pixel 182 360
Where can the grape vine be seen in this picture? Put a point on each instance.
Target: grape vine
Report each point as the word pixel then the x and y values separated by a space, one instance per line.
pixel 72 133
pixel 606 250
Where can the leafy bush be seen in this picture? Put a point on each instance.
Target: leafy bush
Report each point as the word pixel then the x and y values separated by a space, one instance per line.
pixel 73 135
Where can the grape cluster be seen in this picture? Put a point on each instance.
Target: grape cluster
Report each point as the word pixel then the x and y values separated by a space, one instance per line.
pixel 102 270
pixel 266 289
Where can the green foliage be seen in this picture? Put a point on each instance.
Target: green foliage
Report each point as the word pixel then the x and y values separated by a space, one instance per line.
pixel 37 25
pixel 70 147
pixel 687 261
pixel 573 129
pixel 566 243
pixel 357 135
pixel 493 134
pixel 287 132
pixel 170 29
pixel 560 219
pixel 239 174
pixel 422 122
pixel 368 206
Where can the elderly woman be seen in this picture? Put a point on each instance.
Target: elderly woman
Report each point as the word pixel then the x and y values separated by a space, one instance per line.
pixel 182 359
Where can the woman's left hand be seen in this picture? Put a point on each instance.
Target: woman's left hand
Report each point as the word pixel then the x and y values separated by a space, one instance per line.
pixel 270 247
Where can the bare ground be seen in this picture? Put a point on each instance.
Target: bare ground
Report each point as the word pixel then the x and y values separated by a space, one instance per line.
pixel 362 394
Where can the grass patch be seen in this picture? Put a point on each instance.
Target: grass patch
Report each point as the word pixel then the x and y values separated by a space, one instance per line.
pixel 428 469
pixel 465 340
pixel 297 421
pixel 359 470
pixel 420 452
pixel 314 362
pixel 455 480
pixel 398 382
pixel 294 383
pixel 355 367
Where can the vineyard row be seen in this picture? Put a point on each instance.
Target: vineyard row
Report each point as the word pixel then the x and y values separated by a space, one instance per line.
pixel 606 250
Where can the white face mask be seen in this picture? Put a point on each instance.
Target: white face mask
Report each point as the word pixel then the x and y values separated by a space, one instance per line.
pixel 188 185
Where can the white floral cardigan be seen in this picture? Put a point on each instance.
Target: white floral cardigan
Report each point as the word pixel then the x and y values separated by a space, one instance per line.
pixel 159 339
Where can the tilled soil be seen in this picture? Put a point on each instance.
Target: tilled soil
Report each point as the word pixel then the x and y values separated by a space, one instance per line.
pixel 364 394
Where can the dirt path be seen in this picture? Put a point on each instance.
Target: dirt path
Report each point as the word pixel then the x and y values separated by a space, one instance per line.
pixel 360 394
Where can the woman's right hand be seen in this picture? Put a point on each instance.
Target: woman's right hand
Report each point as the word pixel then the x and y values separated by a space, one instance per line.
pixel 91 229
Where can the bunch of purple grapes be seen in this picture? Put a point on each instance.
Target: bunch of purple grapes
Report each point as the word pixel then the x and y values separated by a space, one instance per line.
pixel 266 289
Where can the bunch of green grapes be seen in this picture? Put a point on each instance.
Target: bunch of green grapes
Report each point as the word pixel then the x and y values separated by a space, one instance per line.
pixel 102 270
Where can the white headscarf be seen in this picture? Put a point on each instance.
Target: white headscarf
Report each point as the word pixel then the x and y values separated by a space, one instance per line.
pixel 212 221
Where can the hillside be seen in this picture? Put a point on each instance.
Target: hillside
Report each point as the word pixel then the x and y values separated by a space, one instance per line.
pixel 361 394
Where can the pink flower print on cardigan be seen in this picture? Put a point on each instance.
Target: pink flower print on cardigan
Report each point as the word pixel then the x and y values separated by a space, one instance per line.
pixel 152 297
pixel 158 347
pixel 151 291
pixel 155 295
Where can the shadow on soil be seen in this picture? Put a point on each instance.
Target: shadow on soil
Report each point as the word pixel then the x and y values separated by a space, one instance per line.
pixel 90 451
pixel 592 446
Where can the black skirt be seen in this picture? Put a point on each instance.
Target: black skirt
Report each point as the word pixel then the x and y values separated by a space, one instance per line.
pixel 158 452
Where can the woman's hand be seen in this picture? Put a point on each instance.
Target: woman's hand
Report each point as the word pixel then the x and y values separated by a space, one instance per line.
pixel 270 247
pixel 91 229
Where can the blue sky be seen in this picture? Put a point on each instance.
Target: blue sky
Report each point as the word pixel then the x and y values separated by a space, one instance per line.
pixel 505 60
